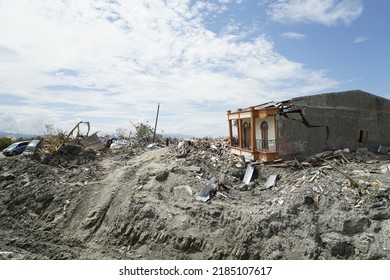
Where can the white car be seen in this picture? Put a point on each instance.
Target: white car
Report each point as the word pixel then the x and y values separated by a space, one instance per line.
pixel 32 147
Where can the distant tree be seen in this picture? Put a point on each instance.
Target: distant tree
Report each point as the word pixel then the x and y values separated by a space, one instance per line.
pixel 122 133
pixel 143 133
pixel 51 131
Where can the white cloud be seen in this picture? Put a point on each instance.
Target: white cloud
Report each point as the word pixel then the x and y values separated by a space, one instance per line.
pixel 327 12
pixel 109 63
pixel 293 35
pixel 360 39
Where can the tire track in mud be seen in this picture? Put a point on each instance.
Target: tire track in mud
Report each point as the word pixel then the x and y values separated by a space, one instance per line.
pixel 94 204
pixel 108 199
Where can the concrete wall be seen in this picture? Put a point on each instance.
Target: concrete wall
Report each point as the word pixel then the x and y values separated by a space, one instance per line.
pixel 353 119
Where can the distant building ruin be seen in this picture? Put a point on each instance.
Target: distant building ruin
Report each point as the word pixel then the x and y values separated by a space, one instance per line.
pixel 306 125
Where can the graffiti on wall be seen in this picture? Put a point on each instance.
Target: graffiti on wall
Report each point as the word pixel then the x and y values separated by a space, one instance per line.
pixel 289 146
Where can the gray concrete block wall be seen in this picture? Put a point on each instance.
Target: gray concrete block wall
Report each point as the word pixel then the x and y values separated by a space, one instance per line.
pixel 354 119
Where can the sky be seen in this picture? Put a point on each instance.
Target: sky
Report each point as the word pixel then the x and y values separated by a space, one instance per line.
pixel 112 62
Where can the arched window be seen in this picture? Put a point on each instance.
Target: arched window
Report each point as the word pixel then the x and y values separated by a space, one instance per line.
pixel 247 135
pixel 264 135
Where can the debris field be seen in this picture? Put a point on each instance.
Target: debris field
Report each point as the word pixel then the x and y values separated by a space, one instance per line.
pixel 194 200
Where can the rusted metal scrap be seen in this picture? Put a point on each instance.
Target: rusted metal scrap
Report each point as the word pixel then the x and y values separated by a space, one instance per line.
pixel 87 142
pixel 77 127
pixel 92 143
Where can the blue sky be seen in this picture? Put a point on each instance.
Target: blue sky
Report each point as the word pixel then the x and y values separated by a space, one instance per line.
pixel 112 62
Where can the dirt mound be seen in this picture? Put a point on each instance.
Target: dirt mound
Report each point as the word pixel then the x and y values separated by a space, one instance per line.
pixel 132 205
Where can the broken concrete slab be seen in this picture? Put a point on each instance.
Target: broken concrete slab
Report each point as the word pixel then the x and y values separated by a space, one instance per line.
pixel 271 181
pixel 248 173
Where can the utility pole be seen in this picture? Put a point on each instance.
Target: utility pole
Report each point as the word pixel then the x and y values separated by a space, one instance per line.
pixel 155 125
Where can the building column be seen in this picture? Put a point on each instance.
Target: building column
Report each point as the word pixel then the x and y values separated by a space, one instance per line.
pixel 253 130
pixel 230 129
pixel 276 134
pixel 240 130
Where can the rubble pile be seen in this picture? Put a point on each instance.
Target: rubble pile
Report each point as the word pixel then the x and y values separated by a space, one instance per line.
pixel 194 200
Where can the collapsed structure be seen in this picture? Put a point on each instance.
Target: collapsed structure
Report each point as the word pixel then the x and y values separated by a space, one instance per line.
pixel 158 203
pixel 196 200
pixel 306 125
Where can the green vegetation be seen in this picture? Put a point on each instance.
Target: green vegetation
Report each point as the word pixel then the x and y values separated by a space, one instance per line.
pixel 5 142
pixel 143 133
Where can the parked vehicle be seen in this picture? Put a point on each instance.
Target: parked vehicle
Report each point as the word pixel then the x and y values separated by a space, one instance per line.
pixel 32 147
pixel 15 148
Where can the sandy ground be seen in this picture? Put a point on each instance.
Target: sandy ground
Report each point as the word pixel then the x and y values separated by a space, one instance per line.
pixel 134 204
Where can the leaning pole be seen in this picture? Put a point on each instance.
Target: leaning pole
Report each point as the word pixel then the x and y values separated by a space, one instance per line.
pixel 155 125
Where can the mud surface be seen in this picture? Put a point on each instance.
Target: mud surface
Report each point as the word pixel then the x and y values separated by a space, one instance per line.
pixel 142 205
